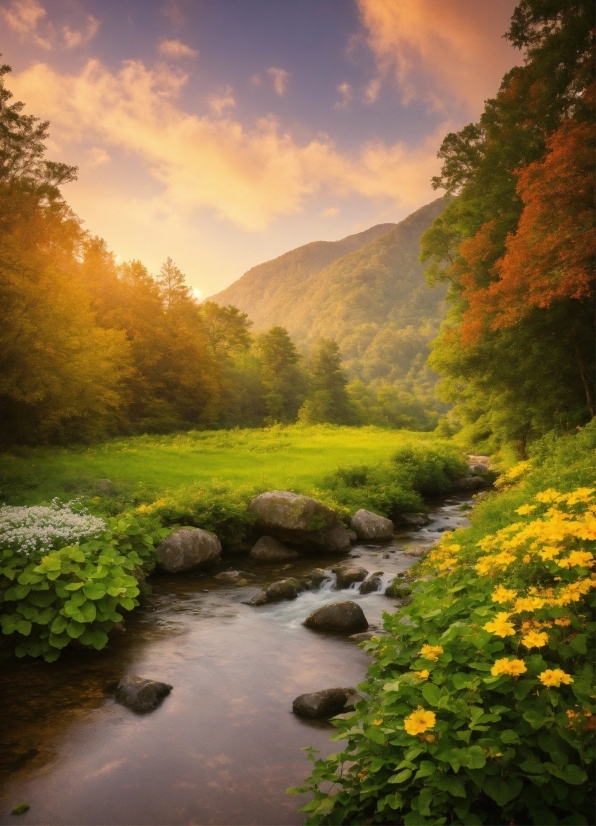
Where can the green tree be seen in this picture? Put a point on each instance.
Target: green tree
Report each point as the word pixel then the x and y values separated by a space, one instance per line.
pixel 328 399
pixel 284 382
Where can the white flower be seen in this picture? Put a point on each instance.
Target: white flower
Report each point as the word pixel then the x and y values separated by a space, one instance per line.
pixel 39 529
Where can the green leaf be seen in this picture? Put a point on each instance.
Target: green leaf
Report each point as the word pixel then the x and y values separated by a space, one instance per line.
pixel 94 590
pixel 536 720
pixel 523 687
pixel 501 790
pixel 23 627
pixel 431 693
pixel 579 644
pixel 426 769
pixel 474 757
pixel 50 563
pixel 73 586
pixel 401 776
pixel 424 800
pixel 74 629
pixel 509 736
pixel 88 611
pixel 59 624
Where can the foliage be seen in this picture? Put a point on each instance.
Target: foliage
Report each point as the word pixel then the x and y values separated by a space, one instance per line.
pixel 75 592
pixel 284 382
pixel 517 244
pixel 328 399
pixel 28 531
pixel 481 699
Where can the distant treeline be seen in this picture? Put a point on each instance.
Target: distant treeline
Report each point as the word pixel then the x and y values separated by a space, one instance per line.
pixel 90 348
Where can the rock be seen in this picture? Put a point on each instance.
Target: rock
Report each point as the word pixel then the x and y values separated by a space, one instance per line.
pixel 240 583
pixel 363 636
pixel 370 585
pixel 140 694
pixel 188 548
pixel 352 536
pixel 324 703
pixel 417 550
pixel 283 589
pixel 105 487
pixel 300 521
pixel 342 617
pixel 228 576
pixel 260 598
pixel 346 575
pixel 398 590
pixel 470 483
pixel 269 549
pixel 315 578
pixel 415 520
pixel 478 470
pixel 368 525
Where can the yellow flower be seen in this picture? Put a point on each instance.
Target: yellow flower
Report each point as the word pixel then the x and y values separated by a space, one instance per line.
pixel 453 548
pixel 500 626
pixel 579 495
pixel 501 594
pixel 527 558
pixel 527 604
pixel 549 495
pixel 579 559
pixel 377 722
pixel 563 622
pixel 525 509
pixel 419 721
pixel 505 666
pixel 553 677
pixel 549 552
pixel 448 563
pixel 535 639
pixel 431 652
pixel 422 675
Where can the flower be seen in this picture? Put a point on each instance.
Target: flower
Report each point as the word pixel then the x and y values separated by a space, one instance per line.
pixel 553 677
pixel 527 604
pixel 377 722
pixel 419 721
pixel 563 621
pixel 549 495
pixel 501 594
pixel 579 495
pixel 535 639
pixel 549 552
pixel 431 652
pixel 500 626
pixel 422 675
pixel 525 509
pixel 577 559
pixel 505 666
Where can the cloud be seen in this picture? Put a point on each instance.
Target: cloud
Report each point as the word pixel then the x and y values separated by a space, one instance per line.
pixel 371 93
pixel 331 212
pixel 97 157
pixel 345 90
pixel 173 12
pixel 219 102
pixel 176 49
pixel 74 37
pixel 247 175
pixel 23 17
pixel 280 79
pixel 441 48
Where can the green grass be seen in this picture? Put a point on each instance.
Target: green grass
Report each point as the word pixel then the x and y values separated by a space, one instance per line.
pixel 143 467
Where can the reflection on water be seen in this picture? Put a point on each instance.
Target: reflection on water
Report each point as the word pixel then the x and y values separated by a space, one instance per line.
pixel 224 745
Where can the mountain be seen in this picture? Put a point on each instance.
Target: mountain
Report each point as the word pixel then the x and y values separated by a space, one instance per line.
pixel 366 291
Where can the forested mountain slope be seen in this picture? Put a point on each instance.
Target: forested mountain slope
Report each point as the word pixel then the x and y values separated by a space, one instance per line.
pixel 263 291
pixel 373 300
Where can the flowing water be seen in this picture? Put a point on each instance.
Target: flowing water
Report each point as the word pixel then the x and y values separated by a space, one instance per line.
pixel 224 745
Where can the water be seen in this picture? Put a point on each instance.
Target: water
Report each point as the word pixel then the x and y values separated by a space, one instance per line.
pixel 224 745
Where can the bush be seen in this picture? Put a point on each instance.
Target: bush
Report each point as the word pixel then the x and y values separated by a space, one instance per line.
pixel 481 704
pixel 74 592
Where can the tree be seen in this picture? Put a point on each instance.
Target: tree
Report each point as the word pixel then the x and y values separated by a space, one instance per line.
pixel 226 328
pixel 172 284
pixel 328 399
pixel 283 381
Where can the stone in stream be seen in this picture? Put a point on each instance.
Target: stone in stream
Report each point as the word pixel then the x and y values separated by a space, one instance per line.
pixel 342 617
pixel 260 598
pixel 363 636
pixel 347 574
pixel 187 549
pixel 228 576
pixel 352 536
pixel 414 520
pixel 470 483
pixel 315 578
pixel 323 703
pixel 141 694
pixel 300 521
pixel 283 589
pixel 369 525
pixel 371 585
pixel 269 549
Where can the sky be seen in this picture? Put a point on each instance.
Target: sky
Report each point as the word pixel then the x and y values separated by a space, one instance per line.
pixel 223 133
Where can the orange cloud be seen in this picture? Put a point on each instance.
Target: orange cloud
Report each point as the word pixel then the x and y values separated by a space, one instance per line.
pixel 438 48
pixel 249 176
pixel 345 91
pixel 176 49
pixel 280 79
pixel 24 17
pixel 75 37
pixel 218 103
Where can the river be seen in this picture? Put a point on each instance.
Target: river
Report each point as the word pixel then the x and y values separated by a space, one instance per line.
pixel 224 745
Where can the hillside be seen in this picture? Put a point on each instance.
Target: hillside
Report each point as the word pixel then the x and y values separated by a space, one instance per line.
pixel 366 291
pixel 262 292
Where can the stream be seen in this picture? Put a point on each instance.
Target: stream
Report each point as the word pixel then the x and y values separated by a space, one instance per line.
pixel 224 745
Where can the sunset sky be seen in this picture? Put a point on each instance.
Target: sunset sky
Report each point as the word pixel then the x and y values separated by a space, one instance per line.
pixel 225 132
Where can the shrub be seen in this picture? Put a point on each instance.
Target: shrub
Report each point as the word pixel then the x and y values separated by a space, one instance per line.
pixel 31 531
pixel 74 592
pixel 481 702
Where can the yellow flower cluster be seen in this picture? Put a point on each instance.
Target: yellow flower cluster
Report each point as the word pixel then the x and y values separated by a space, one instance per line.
pixel 431 652
pixel 500 625
pixel 419 721
pixel 506 666
pixel 535 639
pixel 553 677
pixel 422 675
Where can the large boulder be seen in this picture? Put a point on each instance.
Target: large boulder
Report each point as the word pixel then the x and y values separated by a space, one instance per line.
pixel 324 703
pixel 414 520
pixel 348 574
pixel 371 585
pixel 141 694
pixel 342 617
pixel 269 549
pixel 187 549
pixel 368 525
pixel 470 483
pixel 283 589
pixel 300 521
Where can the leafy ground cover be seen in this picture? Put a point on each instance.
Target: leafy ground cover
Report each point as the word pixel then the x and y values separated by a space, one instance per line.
pixel 481 704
